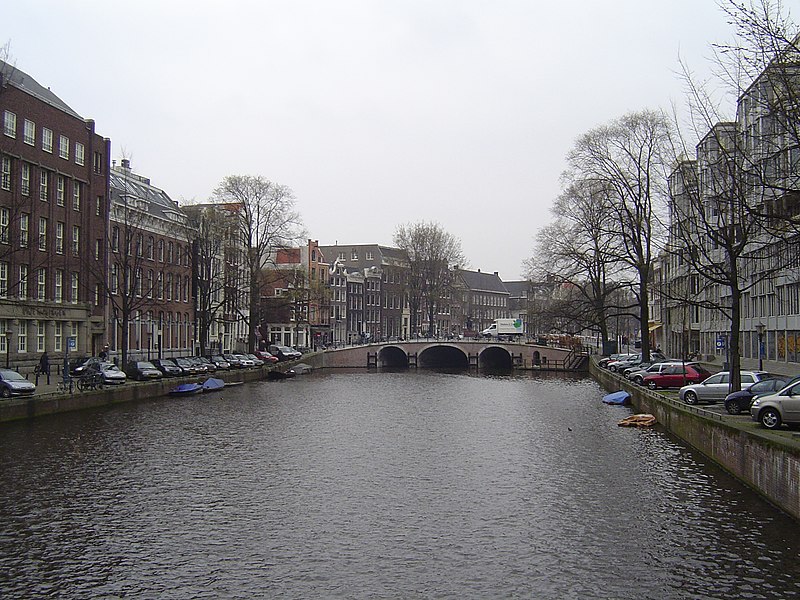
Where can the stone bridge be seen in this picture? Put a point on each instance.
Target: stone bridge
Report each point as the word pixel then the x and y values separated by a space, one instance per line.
pixel 451 354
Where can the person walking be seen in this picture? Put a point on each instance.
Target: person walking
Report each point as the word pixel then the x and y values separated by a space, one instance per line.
pixel 44 366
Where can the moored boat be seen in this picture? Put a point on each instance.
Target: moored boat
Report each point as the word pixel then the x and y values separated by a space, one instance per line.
pixel 186 389
pixel 212 384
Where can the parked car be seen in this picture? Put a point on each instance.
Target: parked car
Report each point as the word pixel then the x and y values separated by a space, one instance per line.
pixel 677 375
pixel 738 402
pixel 141 370
pixel 717 386
pixel 167 367
pixel 14 384
pixel 603 362
pixel 200 367
pixel 284 352
pixel 773 410
pixel 232 361
pixel 210 366
pixel 112 375
pixel 186 367
pixel 655 368
pixel 256 361
pixel 244 362
pixel 220 362
pixel 78 368
pixel 635 359
pixel 266 357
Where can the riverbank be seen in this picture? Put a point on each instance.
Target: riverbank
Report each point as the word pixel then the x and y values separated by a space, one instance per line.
pixel 766 461
pixel 48 400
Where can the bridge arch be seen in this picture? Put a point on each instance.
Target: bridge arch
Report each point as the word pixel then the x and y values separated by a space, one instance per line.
pixel 443 356
pixel 495 357
pixel 393 357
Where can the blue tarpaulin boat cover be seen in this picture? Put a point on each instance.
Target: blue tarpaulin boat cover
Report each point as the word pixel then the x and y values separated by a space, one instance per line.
pixel 212 383
pixel 620 397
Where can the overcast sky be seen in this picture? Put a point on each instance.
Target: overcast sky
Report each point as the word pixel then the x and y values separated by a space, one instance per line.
pixel 375 112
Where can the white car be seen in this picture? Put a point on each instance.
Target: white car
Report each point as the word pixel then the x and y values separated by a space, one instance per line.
pixel 112 374
pixel 717 387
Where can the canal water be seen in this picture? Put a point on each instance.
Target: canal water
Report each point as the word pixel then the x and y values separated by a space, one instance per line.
pixel 379 485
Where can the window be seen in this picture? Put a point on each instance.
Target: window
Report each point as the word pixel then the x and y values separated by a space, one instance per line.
pixel 150 282
pixel 115 239
pixel 354 254
pixel 58 336
pixel 98 294
pixel 98 208
pixel 5 176
pixel 60 190
pixel 26 179
pixel 76 240
pixel 24 224
pixel 43 233
pixel 76 195
pixel 73 289
pixel 41 285
pixel 58 286
pixel 98 249
pixel 41 328
pixel 23 281
pixel 161 250
pixel 22 337
pixel 4 217
pixel 10 124
pixel 98 163
pixel 59 238
pixel 369 255
pixel 47 140
pixel 80 154
pixel 43 188
pixel 150 243
pixel 63 147
pixel 29 132
pixel 170 251
pixel 3 279
pixel 169 286
pixel 114 283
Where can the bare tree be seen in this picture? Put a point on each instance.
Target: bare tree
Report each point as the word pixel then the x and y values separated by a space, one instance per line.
pixel 579 251
pixel 630 159
pixel 267 220
pixel 431 252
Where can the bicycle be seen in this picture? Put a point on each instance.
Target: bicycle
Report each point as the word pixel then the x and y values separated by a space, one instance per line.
pixel 90 381
pixel 65 386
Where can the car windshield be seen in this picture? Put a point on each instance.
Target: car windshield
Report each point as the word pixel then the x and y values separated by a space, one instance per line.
pixel 146 365
pixel 9 375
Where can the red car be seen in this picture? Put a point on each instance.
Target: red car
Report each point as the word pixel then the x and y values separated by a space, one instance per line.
pixel 266 357
pixel 676 376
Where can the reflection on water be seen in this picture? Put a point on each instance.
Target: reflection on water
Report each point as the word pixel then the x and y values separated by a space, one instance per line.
pixel 385 485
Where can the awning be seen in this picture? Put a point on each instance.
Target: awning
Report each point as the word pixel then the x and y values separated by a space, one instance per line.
pixel 654 326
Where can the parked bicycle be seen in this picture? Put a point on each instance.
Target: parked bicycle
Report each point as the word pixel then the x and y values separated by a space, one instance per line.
pixel 65 386
pixel 92 380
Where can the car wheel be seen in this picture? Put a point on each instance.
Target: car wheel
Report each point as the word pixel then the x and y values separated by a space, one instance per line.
pixel 690 398
pixel 638 380
pixel 5 392
pixel 733 407
pixel 652 385
pixel 770 418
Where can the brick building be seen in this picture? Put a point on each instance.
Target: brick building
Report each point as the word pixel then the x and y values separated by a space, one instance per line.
pixel 54 173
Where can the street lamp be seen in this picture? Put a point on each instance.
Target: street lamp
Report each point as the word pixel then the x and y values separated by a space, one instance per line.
pixel 8 346
pixel 760 330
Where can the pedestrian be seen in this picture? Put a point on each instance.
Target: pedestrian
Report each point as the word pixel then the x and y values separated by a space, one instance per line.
pixel 104 353
pixel 44 364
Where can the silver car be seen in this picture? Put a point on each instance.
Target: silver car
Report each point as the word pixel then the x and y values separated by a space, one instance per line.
pixel 717 387
pixel 775 409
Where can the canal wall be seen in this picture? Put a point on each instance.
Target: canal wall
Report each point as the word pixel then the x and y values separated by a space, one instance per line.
pixel 768 462
pixel 53 403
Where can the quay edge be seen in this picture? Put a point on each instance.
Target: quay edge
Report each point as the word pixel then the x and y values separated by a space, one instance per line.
pixel 768 462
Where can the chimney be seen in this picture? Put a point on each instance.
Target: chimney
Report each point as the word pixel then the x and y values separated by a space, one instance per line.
pixel 126 163
pixel 495 274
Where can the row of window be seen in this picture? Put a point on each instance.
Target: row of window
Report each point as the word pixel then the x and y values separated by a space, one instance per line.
pixel 21 286
pixel 155 285
pixel 24 233
pixel 39 329
pixel 47 138
pixel 48 184
pixel 148 248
